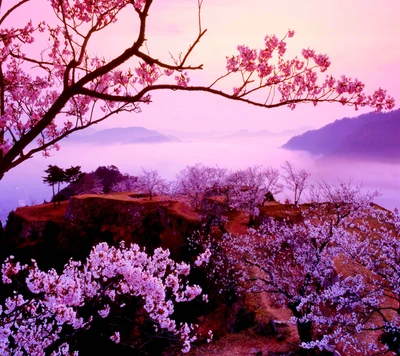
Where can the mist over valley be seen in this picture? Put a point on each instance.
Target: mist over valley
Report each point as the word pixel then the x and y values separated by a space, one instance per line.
pixel 133 148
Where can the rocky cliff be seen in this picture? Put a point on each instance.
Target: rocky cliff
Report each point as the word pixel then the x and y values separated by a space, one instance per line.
pixel 52 236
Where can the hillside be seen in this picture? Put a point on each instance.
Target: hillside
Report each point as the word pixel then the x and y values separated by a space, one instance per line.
pixel 373 136
pixel 161 222
pixel 123 135
pixel 252 324
pixel 75 226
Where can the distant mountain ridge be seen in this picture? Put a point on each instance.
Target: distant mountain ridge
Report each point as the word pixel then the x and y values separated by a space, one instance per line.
pixel 266 133
pixel 373 136
pixel 246 133
pixel 124 135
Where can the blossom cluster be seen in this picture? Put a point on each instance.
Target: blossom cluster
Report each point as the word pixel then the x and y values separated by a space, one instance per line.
pixel 33 324
pixel 102 11
pixel 297 79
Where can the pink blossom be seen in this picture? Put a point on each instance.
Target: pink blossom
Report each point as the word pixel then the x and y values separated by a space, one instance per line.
pixel 147 74
pixel 322 61
pixel 236 91
pixel 281 48
pixel 271 42
pixel 183 79
pixel 232 64
pixel 104 312
pixel 308 53
pixel 203 258
pixel 115 337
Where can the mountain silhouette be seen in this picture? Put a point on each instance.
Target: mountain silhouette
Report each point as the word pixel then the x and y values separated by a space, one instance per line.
pixel 123 135
pixel 374 136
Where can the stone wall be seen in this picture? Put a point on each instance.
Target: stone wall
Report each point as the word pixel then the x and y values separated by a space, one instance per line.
pixel 90 220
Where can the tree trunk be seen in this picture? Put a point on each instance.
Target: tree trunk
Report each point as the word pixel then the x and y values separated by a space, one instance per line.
pixel 2 109
pixel 54 196
pixel 303 328
pixel 251 220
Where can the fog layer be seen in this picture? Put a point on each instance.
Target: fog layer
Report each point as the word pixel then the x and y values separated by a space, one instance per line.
pixel 23 185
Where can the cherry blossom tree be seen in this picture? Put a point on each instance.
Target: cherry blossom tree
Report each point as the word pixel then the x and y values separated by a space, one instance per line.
pixel 253 185
pixel 49 94
pixel 59 308
pixel 296 262
pixel 377 248
pixel 150 182
pixel 251 192
pixel 171 188
pixel 197 181
pixel 296 180
pixel 230 187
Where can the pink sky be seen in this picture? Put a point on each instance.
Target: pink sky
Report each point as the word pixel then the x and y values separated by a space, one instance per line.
pixel 360 36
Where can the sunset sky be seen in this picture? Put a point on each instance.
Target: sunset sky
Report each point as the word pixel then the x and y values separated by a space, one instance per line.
pixel 360 36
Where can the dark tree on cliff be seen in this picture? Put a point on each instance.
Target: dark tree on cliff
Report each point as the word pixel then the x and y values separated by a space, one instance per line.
pixel 102 180
pixel 47 94
pixel 73 174
pixel 55 176
pixel 108 175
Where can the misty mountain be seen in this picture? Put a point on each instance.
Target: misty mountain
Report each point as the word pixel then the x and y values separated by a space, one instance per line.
pixel 246 133
pixel 156 139
pixel 297 131
pixel 372 136
pixel 266 133
pixel 212 134
pixel 123 135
